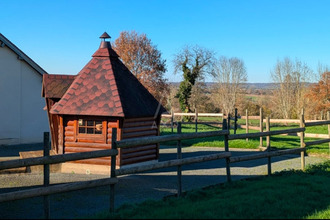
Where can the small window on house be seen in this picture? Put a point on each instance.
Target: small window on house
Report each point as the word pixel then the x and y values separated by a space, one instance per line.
pixel 89 127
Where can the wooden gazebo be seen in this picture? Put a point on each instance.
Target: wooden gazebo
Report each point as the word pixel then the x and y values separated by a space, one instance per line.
pixel 83 109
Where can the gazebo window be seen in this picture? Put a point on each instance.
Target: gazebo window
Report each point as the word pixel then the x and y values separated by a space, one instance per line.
pixel 89 127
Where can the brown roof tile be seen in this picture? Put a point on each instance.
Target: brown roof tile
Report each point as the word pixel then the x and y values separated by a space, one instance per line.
pixel 105 87
pixel 55 85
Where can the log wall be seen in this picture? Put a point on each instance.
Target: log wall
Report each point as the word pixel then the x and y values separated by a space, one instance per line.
pixel 127 129
pixel 75 143
pixel 139 127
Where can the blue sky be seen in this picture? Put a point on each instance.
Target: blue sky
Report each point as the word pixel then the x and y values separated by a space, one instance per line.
pixel 62 35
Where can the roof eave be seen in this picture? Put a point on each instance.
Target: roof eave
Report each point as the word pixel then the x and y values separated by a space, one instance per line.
pixel 21 54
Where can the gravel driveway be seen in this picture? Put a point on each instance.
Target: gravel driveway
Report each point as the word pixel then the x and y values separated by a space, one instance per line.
pixel 134 188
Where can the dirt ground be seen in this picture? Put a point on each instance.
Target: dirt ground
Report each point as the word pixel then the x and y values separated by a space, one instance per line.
pixel 136 188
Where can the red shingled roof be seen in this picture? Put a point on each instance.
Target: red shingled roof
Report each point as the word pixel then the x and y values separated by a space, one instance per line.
pixel 105 87
pixel 54 85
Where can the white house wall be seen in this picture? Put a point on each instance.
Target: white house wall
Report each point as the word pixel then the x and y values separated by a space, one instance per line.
pixel 22 118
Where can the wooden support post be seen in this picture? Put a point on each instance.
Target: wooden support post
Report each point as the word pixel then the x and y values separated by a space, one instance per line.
pixel 46 176
pixel 196 120
pixel 321 117
pixel 228 122
pixel 224 127
pixel 268 146
pixel 261 126
pixel 235 124
pixel 328 118
pixel 113 170
pixel 247 123
pixel 172 119
pixel 179 156
pixel 302 143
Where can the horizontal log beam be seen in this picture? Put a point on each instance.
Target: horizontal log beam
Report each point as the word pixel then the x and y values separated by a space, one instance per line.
pixel 315 123
pixel 171 163
pixel 105 161
pixel 55 159
pixel 138 129
pixel 85 144
pixel 138 124
pixel 194 114
pixel 69 133
pixel 139 119
pixel 138 148
pixel 317 142
pixel 263 134
pixel 173 137
pixel 70 123
pixel 138 159
pixel 210 114
pixel 138 154
pixel 58 188
pixel 251 117
pixel 69 128
pixel 139 134
pixel 112 124
pixel 265 155
pixel 80 149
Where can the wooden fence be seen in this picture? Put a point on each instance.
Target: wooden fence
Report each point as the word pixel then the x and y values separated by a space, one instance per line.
pixel 196 116
pixel 307 123
pixel 47 189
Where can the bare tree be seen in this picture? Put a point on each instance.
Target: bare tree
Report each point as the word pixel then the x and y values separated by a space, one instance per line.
pixel 144 60
pixel 290 78
pixel 194 62
pixel 229 74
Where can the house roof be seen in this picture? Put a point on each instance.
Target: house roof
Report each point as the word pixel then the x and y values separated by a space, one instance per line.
pixel 20 54
pixel 55 85
pixel 106 87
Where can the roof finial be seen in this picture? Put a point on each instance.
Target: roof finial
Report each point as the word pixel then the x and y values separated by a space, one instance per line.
pixel 104 36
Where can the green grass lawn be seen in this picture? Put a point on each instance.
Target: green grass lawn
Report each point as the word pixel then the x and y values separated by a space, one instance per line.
pixel 288 194
pixel 277 141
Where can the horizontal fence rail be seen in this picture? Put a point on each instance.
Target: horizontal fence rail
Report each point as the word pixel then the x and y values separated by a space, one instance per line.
pixel 172 137
pixel 55 159
pixel 59 188
pixel 171 163
pixel 265 155
pixel 310 143
pixel 194 114
pixel 315 123
pixel 275 120
pixel 265 133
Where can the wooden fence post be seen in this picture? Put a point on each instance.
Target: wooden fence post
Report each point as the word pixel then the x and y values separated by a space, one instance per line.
pixel 268 146
pixel 247 123
pixel 113 170
pixel 235 125
pixel 302 143
pixel 321 117
pixel 179 156
pixel 228 123
pixel 196 119
pixel 172 119
pixel 224 127
pixel 328 118
pixel 261 126
pixel 46 176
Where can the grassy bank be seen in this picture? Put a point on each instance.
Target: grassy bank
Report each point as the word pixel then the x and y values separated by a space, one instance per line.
pixel 285 195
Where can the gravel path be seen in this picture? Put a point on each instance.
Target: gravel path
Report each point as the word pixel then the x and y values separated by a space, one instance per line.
pixel 135 188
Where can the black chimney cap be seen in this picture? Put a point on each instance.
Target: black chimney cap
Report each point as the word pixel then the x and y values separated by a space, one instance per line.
pixel 105 35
